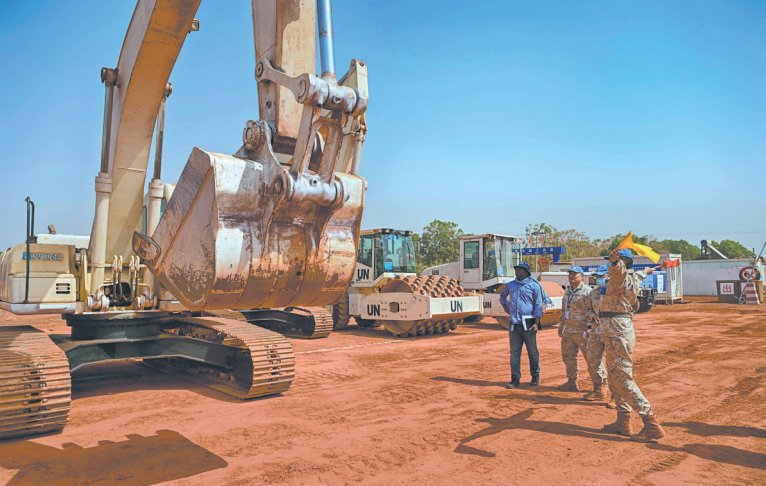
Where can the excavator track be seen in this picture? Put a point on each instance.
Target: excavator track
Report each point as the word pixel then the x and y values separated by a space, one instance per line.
pixel 297 322
pixel 265 366
pixel 323 321
pixel 433 286
pixel 35 385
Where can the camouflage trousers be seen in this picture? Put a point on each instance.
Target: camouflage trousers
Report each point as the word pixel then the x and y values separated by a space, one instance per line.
pixel 594 357
pixel 618 339
pixel 571 343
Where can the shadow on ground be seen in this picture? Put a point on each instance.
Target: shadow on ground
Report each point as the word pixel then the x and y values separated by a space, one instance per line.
pixel 466 381
pixel 521 421
pixel 719 453
pixel 128 376
pixel 138 460
pixel 709 430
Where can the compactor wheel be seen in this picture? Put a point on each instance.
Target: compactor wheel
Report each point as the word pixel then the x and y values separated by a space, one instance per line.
pixel 433 286
pixel 401 328
pixel 340 316
pixel 35 386
pixel 366 322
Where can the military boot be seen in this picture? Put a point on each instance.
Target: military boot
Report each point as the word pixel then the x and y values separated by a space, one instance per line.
pixel 570 385
pixel 597 395
pixel 651 432
pixel 621 426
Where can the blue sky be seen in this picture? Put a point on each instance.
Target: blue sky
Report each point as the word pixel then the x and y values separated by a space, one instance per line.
pixel 601 116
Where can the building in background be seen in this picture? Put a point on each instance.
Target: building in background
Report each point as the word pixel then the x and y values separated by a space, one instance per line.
pixel 700 276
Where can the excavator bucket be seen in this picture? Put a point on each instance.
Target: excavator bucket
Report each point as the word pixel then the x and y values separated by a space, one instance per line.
pixel 245 233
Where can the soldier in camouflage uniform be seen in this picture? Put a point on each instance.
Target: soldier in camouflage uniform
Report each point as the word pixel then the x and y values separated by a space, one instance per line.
pixel 594 350
pixel 618 336
pixel 577 316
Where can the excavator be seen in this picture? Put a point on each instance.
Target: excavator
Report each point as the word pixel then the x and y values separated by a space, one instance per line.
pixel 273 226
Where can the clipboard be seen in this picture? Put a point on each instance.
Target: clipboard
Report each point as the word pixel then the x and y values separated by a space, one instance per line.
pixel 528 322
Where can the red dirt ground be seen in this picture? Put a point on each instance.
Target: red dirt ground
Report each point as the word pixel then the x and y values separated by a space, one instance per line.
pixel 371 409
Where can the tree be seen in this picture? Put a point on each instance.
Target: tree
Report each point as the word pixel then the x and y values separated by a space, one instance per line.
pixel 437 244
pixel 577 243
pixel 733 249
pixel 686 249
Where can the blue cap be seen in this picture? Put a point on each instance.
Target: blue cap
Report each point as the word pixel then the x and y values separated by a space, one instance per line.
pixel 576 269
pixel 525 266
pixel 601 270
pixel 624 253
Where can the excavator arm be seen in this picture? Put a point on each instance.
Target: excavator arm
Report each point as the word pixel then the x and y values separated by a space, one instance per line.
pixel 134 91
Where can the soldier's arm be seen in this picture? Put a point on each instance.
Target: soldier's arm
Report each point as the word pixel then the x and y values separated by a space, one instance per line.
pixel 563 310
pixel 617 273
pixel 590 312
pixel 594 302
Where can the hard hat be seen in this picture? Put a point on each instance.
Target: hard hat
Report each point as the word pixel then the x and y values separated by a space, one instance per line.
pixel 525 266
pixel 624 253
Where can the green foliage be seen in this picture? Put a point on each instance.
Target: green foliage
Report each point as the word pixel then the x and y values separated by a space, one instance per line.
pixel 578 244
pixel 437 244
pixel 733 249
pixel 686 249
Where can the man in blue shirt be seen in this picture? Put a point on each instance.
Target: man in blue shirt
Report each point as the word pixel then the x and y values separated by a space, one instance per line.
pixel 522 298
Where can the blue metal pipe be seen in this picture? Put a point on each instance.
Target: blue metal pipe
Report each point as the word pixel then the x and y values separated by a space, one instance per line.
pixel 326 53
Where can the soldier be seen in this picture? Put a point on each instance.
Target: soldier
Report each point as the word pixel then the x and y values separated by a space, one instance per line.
pixel 594 349
pixel 618 336
pixel 577 316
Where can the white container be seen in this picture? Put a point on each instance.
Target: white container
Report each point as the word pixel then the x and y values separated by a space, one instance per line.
pixel 700 276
